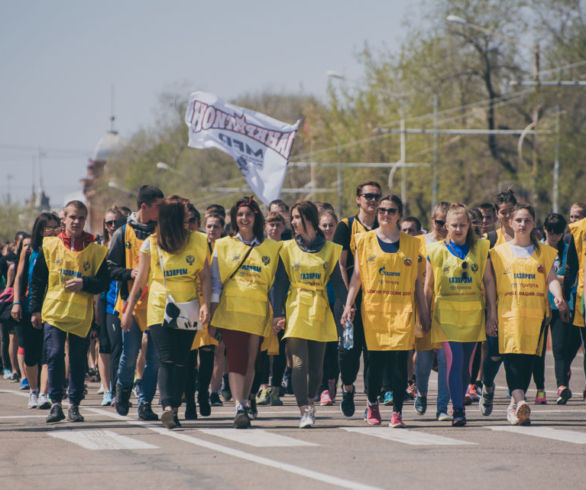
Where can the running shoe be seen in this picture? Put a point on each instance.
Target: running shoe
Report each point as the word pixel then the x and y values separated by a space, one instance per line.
pixel 168 419
pixel 564 394
pixel 307 418
pixel 215 400
pixel 325 400
pixel 122 399
pixel 332 388
pixel 24 385
pixel 388 398
pixel 512 415
pixel 412 390
pixel 523 413
pixel 486 402
pixel 263 397
pixel 540 398
pixel 44 403
pixel 275 398
pixel 190 412
pixel 397 421
pixel 226 392
pixel 7 373
pixel 137 387
pixel 203 400
pixel 107 399
pixel 176 419
pixel 145 412
pixel 241 419
pixel 251 409
pixel 73 414
pixel 443 417
pixel 14 377
pixel 473 393
pixel 420 404
pixel 33 400
pixel 56 414
pixel 347 406
pixel 459 418
pixel 101 389
pixel 373 415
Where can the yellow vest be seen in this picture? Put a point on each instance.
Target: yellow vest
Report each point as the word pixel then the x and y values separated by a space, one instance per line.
pixel 132 254
pixel 578 230
pixel 202 337
pixel 357 227
pixel 244 303
pixel 181 274
pixel 388 291
pixel 521 286
pixel 68 311
pixel 423 340
pixel 308 311
pixel 458 306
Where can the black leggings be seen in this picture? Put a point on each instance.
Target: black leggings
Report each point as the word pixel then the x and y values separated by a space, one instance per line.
pixel 566 341
pixel 349 359
pixel 518 370
pixel 539 363
pixel 33 342
pixel 114 332
pixel 7 328
pixel 173 347
pixel 331 369
pixel 378 362
pixel 280 362
pixel 203 375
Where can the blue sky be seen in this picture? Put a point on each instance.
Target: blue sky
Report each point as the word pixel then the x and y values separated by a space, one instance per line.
pixel 59 60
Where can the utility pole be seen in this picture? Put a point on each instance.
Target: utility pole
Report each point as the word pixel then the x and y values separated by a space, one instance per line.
pixel 535 153
pixel 434 184
pixel 556 162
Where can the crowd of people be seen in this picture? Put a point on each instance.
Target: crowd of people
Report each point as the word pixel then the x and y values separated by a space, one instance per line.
pixel 246 308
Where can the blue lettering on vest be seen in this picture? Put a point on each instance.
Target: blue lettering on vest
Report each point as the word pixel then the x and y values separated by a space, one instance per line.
pixel 254 268
pixel 306 276
pixel 67 272
pixel 519 275
pixel 175 272
pixel 460 280
pixel 384 272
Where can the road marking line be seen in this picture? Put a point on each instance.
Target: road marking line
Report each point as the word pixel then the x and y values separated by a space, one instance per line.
pixel 297 470
pixel 411 437
pixel 23 416
pixel 257 438
pixel 15 392
pixel 100 440
pixel 546 433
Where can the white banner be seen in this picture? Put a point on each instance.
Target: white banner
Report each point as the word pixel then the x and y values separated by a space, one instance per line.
pixel 260 144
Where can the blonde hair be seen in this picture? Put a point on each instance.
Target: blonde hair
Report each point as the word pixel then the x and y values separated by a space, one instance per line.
pixel 462 210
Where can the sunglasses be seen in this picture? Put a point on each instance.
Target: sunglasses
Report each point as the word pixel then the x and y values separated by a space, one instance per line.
pixel 388 210
pixel 370 196
pixel 110 223
pixel 192 221
pixel 465 271
pixel 439 222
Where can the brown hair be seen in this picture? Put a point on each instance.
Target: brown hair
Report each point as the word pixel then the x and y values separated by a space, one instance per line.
pixel 531 210
pixel 328 212
pixel 259 220
pixel 364 184
pixel 273 216
pixel 75 204
pixel 171 233
pixel 308 212
pixel 458 208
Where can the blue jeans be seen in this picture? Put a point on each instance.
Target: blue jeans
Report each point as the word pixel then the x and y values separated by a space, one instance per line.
pixel 131 342
pixel 55 349
pixel 422 372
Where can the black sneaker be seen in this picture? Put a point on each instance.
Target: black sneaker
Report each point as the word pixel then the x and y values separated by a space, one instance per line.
pixel 226 393
pixel 176 420
pixel 145 412
pixel 168 419
pixel 241 420
pixel 458 418
pixel 190 412
pixel 486 402
pixel 215 400
pixel 205 409
pixel 56 414
pixel 420 404
pixel 252 410
pixel 347 405
pixel 122 398
pixel 73 414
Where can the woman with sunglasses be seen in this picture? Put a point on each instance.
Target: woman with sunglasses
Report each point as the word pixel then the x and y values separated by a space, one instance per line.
pixel 173 260
pixel 387 270
pixel 457 272
pixel 243 272
pixel 309 261
pixel 524 271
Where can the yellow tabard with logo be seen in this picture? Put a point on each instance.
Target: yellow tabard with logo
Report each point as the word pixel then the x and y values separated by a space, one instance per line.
pixel 458 307
pixel 68 311
pixel 388 291
pixel 132 254
pixel 422 340
pixel 244 303
pixel 181 275
pixel 357 228
pixel 521 286
pixel 308 311
pixel 578 230
pixel 203 337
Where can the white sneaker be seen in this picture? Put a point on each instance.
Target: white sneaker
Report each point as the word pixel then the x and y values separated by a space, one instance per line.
pixel 308 418
pixel 33 400
pixel 512 415
pixel 443 417
pixel 523 413
pixel 100 389
pixel 43 402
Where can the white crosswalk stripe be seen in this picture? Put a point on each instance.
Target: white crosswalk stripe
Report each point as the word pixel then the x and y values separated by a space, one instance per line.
pixel 544 432
pixel 100 440
pixel 406 436
pixel 256 438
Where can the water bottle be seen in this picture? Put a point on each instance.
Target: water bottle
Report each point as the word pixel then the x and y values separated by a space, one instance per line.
pixel 348 335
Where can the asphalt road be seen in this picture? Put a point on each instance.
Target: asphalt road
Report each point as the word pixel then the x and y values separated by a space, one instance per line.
pixel 108 451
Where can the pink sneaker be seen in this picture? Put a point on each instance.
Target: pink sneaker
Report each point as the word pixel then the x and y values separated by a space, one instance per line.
pixel 373 415
pixel 325 400
pixel 540 398
pixel 396 421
